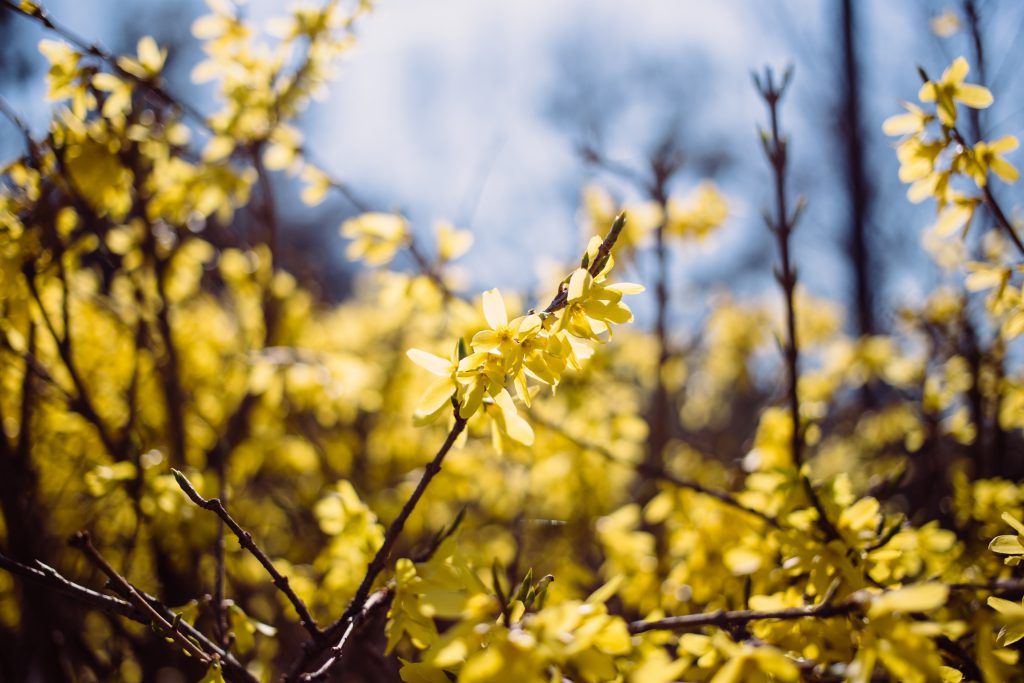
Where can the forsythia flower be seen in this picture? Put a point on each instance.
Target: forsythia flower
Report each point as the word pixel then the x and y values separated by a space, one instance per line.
pixel 375 237
pixel 951 89
pixel 592 307
pixel 698 214
pixel 986 156
pixel 1010 544
pixel 913 122
pixel 536 345
pixel 1013 614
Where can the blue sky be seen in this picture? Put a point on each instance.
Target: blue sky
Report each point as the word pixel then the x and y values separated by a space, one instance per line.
pixel 462 109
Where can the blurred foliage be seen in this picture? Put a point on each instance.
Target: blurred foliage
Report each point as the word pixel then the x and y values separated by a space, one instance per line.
pixel 572 533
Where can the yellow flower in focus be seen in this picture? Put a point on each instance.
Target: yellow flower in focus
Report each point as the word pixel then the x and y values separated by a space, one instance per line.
pixel 951 89
pixel 592 308
pixel 437 395
pixel 502 337
pixel 375 237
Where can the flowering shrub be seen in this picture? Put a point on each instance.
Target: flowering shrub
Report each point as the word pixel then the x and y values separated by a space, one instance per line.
pixel 168 391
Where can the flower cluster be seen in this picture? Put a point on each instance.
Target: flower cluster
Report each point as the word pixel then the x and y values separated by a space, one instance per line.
pixel 538 346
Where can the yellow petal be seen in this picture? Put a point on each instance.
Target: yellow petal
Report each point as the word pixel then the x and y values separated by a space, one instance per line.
pixel 579 284
pixel 150 55
pixel 1014 610
pixel 1006 171
pixel 436 396
pixel 953 218
pixel 1014 522
pixel 920 598
pixel 957 71
pixel 494 309
pixel 626 288
pixel 430 362
pixel 927 93
pixel 516 427
pixel 974 96
pixel 1006 545
pixel 901 124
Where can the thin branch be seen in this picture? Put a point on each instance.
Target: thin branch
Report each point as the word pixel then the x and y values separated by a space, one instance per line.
pixel 394 530
pixel 823 610
pixel 595 266
pixel 990 200
pixel 776 148
pixel 83 404
pixel 92 49
pixel 657 473
pixel 246 541
pixel 376 602
pixel 47 576
pixel 83 542
pixel 731 618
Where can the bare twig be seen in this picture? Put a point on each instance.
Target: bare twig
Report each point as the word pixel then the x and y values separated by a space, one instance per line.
pixel 379 600
pixel 595 266
pixel 657 473
pixel 83 542
pixel 346 624
pixel 246 541
pixel 776 148
pixel 93 49
pixel 47 576
pixel 732 618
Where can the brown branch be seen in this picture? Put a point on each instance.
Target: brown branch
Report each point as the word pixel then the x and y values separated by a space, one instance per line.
pixel 48 577
pixel 594 267
pixel 731 618
pixel 246 541
pixel 379 600
pixel 83 542
pixel 83 404
pixel 986 191
pixel 92 49
pixel 657 473
pixel 776 149
pixel 342 628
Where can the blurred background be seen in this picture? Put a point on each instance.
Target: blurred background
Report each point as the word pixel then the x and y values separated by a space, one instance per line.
pixel 490 114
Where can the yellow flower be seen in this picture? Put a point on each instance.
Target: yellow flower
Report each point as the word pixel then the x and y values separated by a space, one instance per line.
pixel 592 308
pixel 699 214
pixel 912 122
pixel 1013 614
pixel 985 157
pixel 451 242
pixel 1010 544
pixel 150 60
pixel 951 89
pixel 440 391
pixel 375 237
